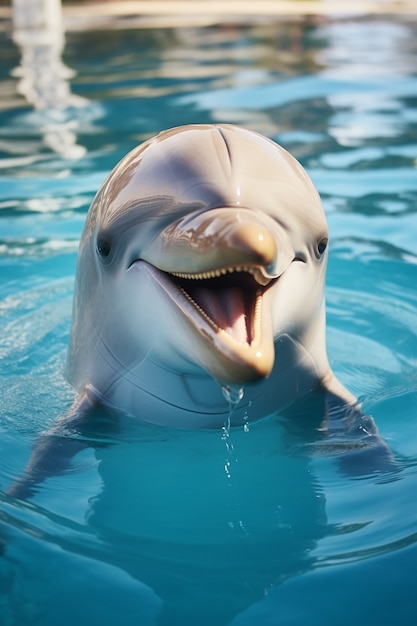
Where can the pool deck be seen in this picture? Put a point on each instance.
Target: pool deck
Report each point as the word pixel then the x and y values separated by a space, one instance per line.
pixel 179 13
pixel 195 12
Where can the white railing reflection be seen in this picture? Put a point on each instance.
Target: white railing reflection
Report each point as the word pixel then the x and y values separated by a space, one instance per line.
pixel 43 78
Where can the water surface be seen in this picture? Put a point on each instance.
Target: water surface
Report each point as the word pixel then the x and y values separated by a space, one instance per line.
pixel 156 526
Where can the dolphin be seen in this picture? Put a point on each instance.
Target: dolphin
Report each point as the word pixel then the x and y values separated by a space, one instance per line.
pixel 200 279
pixel 199 301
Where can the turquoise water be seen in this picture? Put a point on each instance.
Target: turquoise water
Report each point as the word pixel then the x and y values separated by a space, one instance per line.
pixel 156 526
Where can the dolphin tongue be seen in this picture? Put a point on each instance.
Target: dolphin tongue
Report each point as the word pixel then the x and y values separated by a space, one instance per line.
pixel 231 309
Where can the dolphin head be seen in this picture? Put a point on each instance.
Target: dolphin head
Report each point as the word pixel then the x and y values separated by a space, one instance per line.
pixel 204 247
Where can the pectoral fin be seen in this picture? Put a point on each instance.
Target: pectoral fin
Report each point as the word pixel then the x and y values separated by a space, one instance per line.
pixel 55 448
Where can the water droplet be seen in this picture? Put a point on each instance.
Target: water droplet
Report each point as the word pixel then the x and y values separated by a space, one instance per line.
pixel 227 469
pixel 246 423
pixel 233 395
pixel 226 429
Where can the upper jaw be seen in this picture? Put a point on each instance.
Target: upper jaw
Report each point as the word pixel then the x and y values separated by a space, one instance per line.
pixel 216 240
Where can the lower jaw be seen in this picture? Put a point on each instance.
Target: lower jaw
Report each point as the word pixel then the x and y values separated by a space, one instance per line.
pixel 229 363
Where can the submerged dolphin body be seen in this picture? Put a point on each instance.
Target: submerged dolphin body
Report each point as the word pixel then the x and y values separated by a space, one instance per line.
pixel 201 266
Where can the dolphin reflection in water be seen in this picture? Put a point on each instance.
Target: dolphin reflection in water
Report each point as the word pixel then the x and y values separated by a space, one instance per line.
pixel 200 277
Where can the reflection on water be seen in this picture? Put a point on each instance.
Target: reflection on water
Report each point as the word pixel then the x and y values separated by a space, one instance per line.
pixel 43 77
pixel 248 526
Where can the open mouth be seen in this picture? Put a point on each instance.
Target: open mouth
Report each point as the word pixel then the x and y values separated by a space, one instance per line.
pixel 228 311
pixel 229 299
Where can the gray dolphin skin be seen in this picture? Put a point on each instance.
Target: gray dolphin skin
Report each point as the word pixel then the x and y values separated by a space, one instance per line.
pixel 201 268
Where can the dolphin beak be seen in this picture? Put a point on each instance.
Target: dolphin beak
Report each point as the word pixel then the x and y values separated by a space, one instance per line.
pixel 218 268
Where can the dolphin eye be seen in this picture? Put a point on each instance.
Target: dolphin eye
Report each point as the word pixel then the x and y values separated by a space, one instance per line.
pixel 322 245
pixel 103 247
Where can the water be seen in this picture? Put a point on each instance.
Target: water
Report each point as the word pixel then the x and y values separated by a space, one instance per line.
pixel 246 526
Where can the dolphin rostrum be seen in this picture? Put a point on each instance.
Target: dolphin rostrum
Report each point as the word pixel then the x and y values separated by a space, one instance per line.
pixel 202 265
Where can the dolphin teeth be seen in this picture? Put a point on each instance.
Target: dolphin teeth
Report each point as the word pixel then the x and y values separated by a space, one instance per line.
pixel 199 309
pixel 260 277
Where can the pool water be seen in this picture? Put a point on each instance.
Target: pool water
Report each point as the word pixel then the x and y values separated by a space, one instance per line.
pixel 153 526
